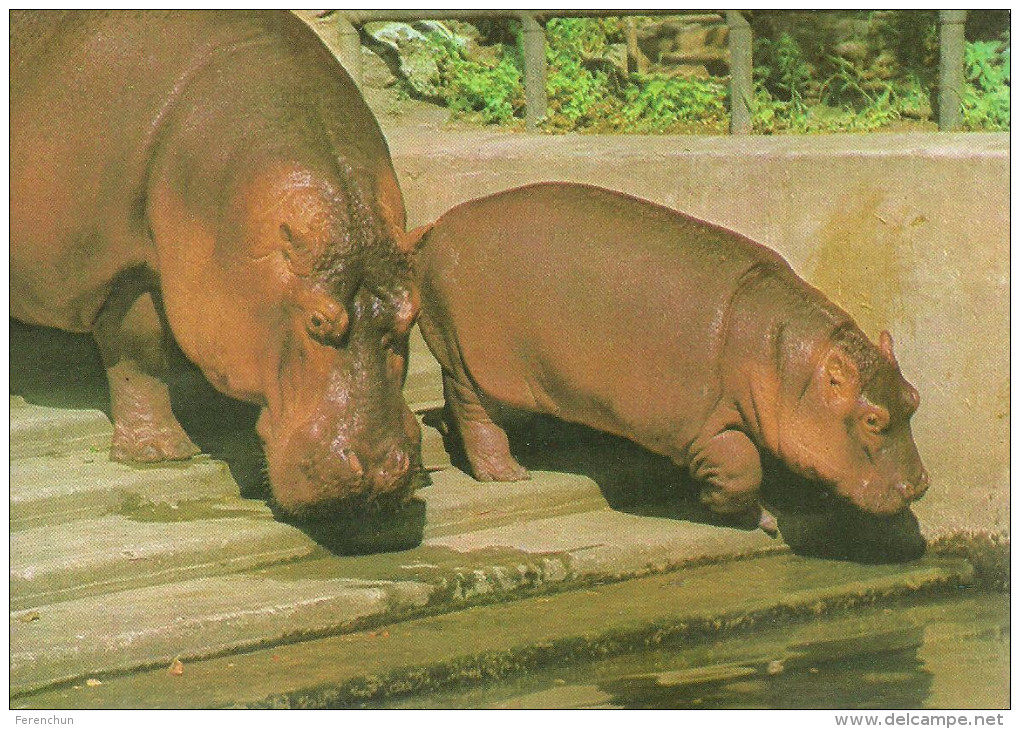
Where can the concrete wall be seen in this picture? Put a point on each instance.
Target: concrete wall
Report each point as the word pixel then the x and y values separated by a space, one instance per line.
pixel 908 233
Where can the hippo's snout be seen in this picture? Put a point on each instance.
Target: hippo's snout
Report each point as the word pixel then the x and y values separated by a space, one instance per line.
pixel 890 499
pixel 312 475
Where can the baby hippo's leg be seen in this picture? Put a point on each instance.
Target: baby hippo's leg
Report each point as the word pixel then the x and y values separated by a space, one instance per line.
pixel 729 469
pixel 485 443
pixel 131 339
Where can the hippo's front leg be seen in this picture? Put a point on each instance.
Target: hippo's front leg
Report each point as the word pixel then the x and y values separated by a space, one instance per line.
pixel 729 468
pixel 485 443
pixel 131 339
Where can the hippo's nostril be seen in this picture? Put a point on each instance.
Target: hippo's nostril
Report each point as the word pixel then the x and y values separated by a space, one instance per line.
pixel 392 471
pixel 923 480
pixel 353 462
pixel 904 490
pixel 399 463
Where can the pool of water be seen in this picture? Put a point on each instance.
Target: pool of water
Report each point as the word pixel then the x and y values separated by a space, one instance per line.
pixel 945 654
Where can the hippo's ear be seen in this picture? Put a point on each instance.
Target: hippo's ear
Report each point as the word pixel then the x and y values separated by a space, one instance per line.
pixel 885 346
pixel 840 378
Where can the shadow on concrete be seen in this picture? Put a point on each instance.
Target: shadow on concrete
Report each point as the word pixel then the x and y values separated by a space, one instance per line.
pixel 62 370
pixel 637 481
pixel 349 532
pixel 818 524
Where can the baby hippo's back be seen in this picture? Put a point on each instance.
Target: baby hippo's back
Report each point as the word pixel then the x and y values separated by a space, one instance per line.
pixel 586 304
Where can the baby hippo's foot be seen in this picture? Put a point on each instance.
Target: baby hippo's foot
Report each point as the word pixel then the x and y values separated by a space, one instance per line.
pixel 488 452
pixel 754 518
pixel 144 441
pixel 497 468
pixel 768 524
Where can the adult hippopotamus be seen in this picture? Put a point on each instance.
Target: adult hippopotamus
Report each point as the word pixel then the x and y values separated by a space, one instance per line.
pixel 217 176
pixel 690 339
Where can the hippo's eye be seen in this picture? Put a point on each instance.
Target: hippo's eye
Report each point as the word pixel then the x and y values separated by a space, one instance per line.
pixel 328 326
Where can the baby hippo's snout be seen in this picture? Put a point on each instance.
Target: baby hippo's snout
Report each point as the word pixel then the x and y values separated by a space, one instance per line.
pixel 912 491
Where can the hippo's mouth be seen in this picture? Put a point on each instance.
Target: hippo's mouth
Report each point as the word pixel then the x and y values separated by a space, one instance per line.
pixel 352 504
pixel 887 500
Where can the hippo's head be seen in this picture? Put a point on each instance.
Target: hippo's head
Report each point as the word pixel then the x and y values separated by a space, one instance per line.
pixel 303 306
pixel 335 426
pixel 850 428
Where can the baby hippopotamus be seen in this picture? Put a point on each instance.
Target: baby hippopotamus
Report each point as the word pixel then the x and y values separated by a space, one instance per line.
pixel 689 339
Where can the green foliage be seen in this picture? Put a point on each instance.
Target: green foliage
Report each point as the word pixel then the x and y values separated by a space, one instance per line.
pixel 579 95
pixel 585 94
pixel 493 91
pixel 881 76
pixel 781 72
pixel 986 96
pixel 656 103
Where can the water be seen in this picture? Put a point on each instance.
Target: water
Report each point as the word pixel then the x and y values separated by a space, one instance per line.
pixel 953 653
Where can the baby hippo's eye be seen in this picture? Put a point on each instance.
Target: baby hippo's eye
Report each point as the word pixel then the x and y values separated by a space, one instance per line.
pixel 875 419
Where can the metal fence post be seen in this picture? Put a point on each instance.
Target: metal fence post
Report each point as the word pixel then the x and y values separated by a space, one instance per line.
pixel 741 81
pixel 951 47
pixel 534 71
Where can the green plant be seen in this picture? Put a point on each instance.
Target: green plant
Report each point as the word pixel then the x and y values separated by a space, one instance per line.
pixel 578 94
pixel 782 72
pixel 494 91
pixel 656 103
pixel 985 102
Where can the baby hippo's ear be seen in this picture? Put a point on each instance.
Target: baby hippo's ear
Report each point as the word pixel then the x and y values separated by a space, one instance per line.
pixel 885 346
pixel 412 240
pixel 840 379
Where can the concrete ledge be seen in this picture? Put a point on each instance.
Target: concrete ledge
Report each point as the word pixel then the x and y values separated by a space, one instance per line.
pixel 907 232
pixel 191 619
pixel 497 640
pixel 42 431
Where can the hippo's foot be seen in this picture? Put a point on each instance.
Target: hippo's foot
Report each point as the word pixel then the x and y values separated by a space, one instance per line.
pixel 151 443
pixel 132 340
pixel 497 468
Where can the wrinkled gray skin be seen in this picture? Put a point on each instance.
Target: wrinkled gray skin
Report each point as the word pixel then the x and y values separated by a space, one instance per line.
pixel 217 177
pixel 691 340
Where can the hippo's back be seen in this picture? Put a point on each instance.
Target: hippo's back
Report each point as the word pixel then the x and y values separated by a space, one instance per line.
pixel 97 97
pixel 589 304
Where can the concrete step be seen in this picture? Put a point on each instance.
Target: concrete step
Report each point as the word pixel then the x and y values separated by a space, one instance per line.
pixel 57 489
pixel 62 562
pixel 456 503
pixel 203 617
pixel 460 648
pixel 610 543
pixel 40 431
